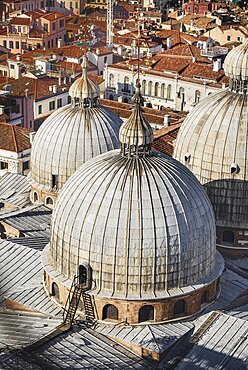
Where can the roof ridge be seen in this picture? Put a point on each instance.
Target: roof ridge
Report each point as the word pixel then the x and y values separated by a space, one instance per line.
pixel 14 138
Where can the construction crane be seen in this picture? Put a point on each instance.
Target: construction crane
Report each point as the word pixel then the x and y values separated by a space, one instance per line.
pixel 110 23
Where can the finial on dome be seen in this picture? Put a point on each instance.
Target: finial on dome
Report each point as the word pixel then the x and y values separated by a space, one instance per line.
pixel 136 135
pixel 84 91
pixel 236 68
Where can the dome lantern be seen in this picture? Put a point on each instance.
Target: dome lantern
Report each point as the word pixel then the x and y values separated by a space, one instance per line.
pixel 136 135
pixel 84 91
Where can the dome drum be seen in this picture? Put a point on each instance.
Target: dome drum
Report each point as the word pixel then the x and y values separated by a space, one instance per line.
pixel 193 298
pixel 232 242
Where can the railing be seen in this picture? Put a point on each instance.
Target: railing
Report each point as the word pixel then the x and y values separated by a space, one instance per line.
pixel 214 52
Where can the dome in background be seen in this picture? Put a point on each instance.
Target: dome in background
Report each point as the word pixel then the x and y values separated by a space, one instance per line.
pixel 213 143
pixel 236 63
pixel 71 136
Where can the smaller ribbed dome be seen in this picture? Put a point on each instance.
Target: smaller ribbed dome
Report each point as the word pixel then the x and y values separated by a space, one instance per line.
pixel 84 88
pixel 236 63
pixel 136 135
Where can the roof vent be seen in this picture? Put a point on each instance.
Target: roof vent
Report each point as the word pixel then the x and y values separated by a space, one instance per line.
pixel 187 157
pixel 235 169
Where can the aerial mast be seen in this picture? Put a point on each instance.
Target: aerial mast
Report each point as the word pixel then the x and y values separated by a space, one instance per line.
pixel 110 23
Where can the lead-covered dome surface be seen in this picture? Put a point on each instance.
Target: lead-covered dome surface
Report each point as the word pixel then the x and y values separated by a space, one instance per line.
pixel 236 62
pixel 213 143
pixel 72 135
pixel 144 225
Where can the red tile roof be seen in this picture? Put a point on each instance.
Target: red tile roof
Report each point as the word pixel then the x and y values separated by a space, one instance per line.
pixel 14 138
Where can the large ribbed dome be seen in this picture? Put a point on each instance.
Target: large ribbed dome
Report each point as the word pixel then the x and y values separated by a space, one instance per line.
pixel 141 221
pixel 213 143
pixel 71 136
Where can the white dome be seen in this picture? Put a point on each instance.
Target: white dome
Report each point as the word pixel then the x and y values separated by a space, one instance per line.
pixel 213 143
pixel 68 138
pixel 236 63
pixel 144 226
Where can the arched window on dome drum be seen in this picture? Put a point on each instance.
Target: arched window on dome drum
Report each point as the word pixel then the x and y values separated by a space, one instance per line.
pixel 150 88
pixel 55 291
pixel 204 297
pixel 179 308
pixel 36 198
pixel 111 97
pixel 162 91
pixel 111 80
pixel 144 87
pixel 146 313
pixel 49 201
pixel 169 90
pixel 228 237
pixel 197 96
pixel 110 312
pixel 156 91
pixel 85 275
pixel 125 100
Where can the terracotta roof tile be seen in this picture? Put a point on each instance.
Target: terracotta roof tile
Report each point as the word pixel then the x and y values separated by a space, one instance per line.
pixel 14 138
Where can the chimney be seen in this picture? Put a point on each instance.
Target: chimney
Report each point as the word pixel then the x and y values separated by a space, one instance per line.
pixel 55 89
pixel 97 51
pixel 7 88
pixel 217 65
pixel 18 57
pixel 168 42
pixel 50 88
pixel 31 137
pixel 166 120
pixel 2 109
pixel 59 43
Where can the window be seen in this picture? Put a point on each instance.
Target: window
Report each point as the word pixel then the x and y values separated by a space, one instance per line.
pixel 53 26
pixel 45 26
pixel 228 237
pixel 19 29
pixel 162 91
pixel 17 45
pixel 110 312
pixel 61 22
pixel 228 38
pixel 150 88
pixel 111 81
pixel 54 181
pixel 204 297
pixel 3 165
pixel 105 60
pixel 126 84
pixel 59 103
pixel 12 66
pixel 111 97
pixel 39 109
pixel 156 92
pixel 197 96
pixel 11 45
pixel 49 201
pixel 55 291
pixel 76 5
pixel 52 105
pixel 146 313
pixel 238 38
pixel 143 88
pixel 4 43
pixel 24 29
pixel 169 88
pixel 179 308
pixel 35 197
pixel 70 4
pixel 25 165
pixel 85 275
pixel 181 93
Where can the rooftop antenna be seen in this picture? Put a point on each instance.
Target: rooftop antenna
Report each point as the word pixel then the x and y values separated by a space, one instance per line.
pixel 110 24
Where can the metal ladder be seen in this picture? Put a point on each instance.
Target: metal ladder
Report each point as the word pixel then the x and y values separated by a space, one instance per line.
pixel 73 301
